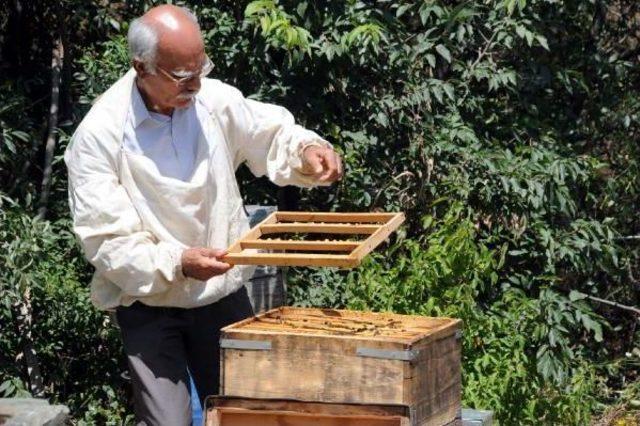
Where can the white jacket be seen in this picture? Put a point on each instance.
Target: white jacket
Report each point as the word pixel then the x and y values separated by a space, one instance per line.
pixel 119 212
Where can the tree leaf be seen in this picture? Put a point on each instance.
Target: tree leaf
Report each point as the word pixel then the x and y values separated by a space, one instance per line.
pixel 444 52
pixel 576 295
pixel 402 9
pixel 543 41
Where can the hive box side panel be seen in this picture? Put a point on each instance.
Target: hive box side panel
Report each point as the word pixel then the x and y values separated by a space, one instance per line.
pixel 242 417
pixel 239 411
pixel 434 387
pixel 312 369
pixel 218 401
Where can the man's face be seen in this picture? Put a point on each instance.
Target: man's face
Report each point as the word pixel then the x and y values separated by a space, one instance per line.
pixel 167 87
pixel 176 79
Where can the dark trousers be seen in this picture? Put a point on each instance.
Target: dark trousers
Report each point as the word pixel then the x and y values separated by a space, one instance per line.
pixel 162 343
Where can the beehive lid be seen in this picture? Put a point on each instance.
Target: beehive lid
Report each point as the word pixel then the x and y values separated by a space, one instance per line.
pixel 334 323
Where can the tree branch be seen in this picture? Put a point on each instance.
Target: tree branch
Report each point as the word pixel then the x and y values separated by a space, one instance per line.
pixel 615 304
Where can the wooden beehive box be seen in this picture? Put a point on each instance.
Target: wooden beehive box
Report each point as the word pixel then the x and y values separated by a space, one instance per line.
pixel 338 356
pixel 234 411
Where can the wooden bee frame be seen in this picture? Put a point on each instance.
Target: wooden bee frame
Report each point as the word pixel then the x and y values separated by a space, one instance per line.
pixel 376 226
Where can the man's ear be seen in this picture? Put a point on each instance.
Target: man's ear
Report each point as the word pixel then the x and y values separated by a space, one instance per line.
pixel 140 68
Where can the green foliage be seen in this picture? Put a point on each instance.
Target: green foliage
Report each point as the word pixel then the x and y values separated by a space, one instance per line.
pixel 75 344
pixel 506 130
pixel 518 355
pixel 276 26
pixel 99 71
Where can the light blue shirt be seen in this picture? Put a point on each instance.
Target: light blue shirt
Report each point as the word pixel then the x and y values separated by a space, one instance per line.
pixel 171 142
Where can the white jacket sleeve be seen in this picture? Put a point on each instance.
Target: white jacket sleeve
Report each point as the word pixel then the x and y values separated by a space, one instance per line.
pixel 108 226
pixel 266 137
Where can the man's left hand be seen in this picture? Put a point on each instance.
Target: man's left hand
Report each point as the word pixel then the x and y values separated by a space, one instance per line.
pixel 322 163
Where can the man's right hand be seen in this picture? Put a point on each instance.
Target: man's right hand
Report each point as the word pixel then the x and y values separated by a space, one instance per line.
pixel 203 263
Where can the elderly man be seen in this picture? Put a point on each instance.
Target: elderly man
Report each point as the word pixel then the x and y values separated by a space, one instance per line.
pixel 154 201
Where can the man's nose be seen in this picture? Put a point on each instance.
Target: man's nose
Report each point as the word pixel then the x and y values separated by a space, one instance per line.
pixel 193 84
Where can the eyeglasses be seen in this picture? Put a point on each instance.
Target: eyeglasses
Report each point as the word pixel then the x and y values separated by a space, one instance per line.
pixel 204 71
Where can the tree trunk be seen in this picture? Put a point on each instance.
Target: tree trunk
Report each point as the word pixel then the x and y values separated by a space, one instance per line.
pixel 56 67
pixel 36 383
pixel 24 324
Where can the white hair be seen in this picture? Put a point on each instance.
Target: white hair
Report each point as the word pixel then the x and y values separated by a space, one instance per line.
pixel 143 40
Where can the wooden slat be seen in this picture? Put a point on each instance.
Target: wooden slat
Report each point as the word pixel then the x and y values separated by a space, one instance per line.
pixel 314 329
pixel 229 416
pixel 309 407
pixel 334 327
pixel 252 234
pixel 299 245
pixel 334 217
pixel 418 321
pixel 318 228
pixel 378 237
pixel 291 259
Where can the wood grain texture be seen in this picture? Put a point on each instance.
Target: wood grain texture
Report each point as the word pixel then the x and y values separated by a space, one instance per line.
pixel 435 389
pixel 334 217
pixel 355 325
pixel 300 245
pixel 378 236
pixel 310 407
pixel 318 228
pixel 253 233
pixel 314 357
pixel 291 259
pixel 250 411
pixel 312 369
pixel 375 226
pixel 241 417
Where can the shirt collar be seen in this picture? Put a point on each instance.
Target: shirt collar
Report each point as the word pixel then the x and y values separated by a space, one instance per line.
pixel 139 111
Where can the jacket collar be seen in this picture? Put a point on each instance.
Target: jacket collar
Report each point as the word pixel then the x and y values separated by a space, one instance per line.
pixel 111 110
pixel 108 112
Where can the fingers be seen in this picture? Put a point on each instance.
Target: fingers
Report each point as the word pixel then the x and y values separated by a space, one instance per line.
pixel 214 260
pixel 216 267
pixel 333 166
pixel 323 163
pixel 203 263
pixel 213 252
pixel 314 160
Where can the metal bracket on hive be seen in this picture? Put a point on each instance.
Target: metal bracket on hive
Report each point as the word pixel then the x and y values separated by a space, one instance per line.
pixel 406 355
pixel 251 345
